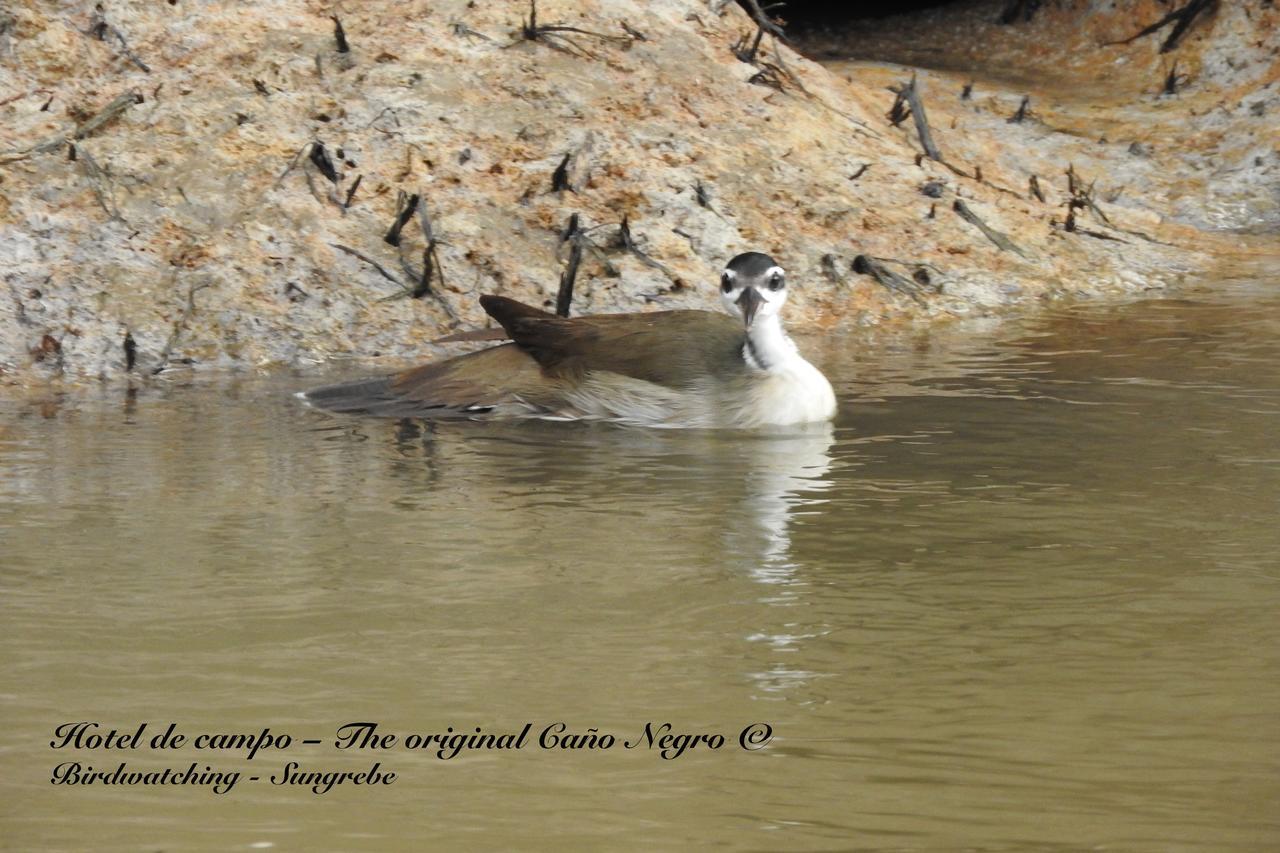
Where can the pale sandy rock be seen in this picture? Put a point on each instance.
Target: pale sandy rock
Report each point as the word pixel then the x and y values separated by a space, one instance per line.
pixel 180 222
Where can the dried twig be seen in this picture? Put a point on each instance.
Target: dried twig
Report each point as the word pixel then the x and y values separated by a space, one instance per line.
pixel 910 96
pixel 1024 110
pixel 560 36
pixel 371 262
pixel 90 126
pixel 560 177
pixel 1082 196
pixel 319 156
pixel 1174 81
pixel 629 245
pixel 430 258
pixel 130 351
pixel 1184 15
pixel 102 186
pixel 635 34
pixel 564 296
pixel 179 325
pixel 463 31
pixel 748 54
pixel 340 35
pixel 406 206
pixel 1035 188
pixel 102 30
pixel 866 265
pixel 763 21
pixel 107 114
pixel 351 192
pixel 572 233
pixel 1001 241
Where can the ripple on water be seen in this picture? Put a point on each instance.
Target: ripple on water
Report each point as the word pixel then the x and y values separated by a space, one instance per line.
pixel 1020 596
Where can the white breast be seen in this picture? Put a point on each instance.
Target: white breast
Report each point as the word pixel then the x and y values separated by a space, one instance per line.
pixel 793 393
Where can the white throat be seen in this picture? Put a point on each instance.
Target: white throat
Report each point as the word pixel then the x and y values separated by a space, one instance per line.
pixel 768 348
pixel 785 389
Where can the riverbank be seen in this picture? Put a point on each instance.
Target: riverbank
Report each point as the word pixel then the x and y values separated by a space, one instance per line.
pixel 215 187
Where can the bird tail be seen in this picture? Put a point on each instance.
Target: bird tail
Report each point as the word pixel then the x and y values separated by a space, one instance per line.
pixel 362 397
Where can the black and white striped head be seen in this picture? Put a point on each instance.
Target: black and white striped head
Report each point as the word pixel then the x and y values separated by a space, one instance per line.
pixel 753 287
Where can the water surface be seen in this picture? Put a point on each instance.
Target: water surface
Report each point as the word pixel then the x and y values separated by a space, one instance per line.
pixel 1021 596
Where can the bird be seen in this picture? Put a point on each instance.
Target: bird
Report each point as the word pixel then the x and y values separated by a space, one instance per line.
pixel 678 369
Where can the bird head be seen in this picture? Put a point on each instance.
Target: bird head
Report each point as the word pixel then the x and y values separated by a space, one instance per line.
pixel 753 287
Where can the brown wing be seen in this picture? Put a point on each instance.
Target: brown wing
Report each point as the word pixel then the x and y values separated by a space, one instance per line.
pixel 535 374
pixel 499 380
pixel 670 348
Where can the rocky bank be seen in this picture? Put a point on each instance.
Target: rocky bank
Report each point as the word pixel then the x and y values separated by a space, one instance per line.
pixel 188 185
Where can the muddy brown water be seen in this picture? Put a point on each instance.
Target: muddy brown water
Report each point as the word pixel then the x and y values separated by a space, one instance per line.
pixel 1022 595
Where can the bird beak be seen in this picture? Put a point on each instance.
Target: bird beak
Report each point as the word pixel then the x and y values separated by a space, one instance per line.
pixel 749 301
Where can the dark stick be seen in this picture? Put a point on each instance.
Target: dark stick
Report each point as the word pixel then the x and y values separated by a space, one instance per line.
pixel 762 20
pixel 564 297
pixel 898 112
pixel 107 114
pixel 179 326
pixel 629 245
pixel 340 35
pixel 319 156
pixel 744 54
pixel 371 262
pixel 624 234
pixel 423 287
pixel 865 265
pixel 430 258
pixel 461 29
pixel 560 177
pixel 1023 111
pixel 1190 12
pixel 406 206
pixel 130 351
pixel 351 193
pixel 991 234
pixel 100 28
pixel 769 75
pixel 1081 198
pixel 1035 189
pixel 424 220
pixel 703 197
pixel 831 269
pixel 1185 16
pixel 552 34
pixel 632 31
pixel 911 96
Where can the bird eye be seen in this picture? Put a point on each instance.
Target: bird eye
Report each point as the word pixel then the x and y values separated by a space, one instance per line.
pixel 775 281
pixel 726 283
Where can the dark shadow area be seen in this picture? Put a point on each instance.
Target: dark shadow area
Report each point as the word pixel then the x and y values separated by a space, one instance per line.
pixel 807 15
